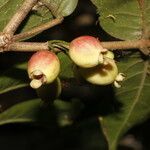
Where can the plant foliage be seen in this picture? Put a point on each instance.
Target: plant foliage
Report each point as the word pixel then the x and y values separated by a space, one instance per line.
pixel 122 19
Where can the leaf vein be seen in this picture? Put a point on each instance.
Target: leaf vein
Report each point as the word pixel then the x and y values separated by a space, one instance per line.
pixel 125 91
pixel 127 13
pixel 134 103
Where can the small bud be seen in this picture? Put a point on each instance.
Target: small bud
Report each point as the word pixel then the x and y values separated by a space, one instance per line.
pixel 35 83
pixel 119 78
pixel 117 84
pixel 86 51
pixel 43 68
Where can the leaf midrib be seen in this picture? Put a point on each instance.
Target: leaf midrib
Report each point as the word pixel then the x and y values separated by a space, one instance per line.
pixel 13 88
pixel 16 120
pixel 137 96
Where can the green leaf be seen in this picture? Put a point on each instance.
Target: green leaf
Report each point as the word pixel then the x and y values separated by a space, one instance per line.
pixel 62 7
pixel 133 99
pixel 66 66
pixel 38 17
pixel 35 111
pixel 22 112
pixel 9 7
pixel 124 19
pixel 13 78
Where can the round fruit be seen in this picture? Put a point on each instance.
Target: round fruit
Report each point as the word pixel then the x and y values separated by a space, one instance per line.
pixel 43 67
pixel 101 74
pixel 86 51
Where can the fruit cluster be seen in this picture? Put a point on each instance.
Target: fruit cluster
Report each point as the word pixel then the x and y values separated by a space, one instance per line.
pixel 94 63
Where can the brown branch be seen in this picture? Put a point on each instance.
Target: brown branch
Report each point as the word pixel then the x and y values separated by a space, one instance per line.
pixel 114 45
pixel 37 30
pixel 142 45
pixel 28 46
pixel 131 44
pixel 19 16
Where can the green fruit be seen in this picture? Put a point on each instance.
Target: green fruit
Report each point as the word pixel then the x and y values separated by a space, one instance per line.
pixel 86 51
pixel 43 68
pixel 101 74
